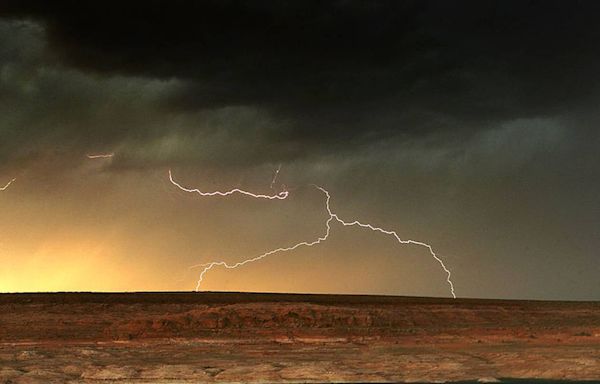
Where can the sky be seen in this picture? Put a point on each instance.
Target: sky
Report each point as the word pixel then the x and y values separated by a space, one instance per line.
pixel 471 126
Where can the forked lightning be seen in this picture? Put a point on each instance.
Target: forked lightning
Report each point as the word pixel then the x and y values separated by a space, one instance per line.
pixel 332 216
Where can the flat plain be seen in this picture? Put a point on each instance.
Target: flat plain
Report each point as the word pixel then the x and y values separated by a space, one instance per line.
pixel 181 337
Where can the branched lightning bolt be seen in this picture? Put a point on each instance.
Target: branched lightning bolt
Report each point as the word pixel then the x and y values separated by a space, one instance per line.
pixel 279 196
pixel 332 216
pixel 208 266
pixel 100 156
pixel 7 185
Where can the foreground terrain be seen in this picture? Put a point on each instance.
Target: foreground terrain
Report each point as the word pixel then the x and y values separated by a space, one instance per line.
pixel 228 337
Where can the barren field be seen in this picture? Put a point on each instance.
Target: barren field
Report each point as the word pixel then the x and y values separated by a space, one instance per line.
pixel 233 337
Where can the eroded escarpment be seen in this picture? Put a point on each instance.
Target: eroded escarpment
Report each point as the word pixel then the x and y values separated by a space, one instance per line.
pixel 268 337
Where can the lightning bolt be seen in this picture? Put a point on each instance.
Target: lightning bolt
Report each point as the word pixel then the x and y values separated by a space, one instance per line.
pixel 208 266
pixel 7 185
pixel 395 235
pixel 332 216
pixel 275 176
pixel 278 196
pixel 100 156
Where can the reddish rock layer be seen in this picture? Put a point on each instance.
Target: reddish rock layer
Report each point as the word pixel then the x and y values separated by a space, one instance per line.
pixel 150 337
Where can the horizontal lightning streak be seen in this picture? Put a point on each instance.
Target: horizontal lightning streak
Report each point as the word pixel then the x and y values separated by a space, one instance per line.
pixel 100 156
pixel 279 196
pixel 7 185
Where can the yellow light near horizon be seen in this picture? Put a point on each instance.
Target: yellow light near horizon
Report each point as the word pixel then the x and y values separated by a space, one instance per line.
pixel 59 265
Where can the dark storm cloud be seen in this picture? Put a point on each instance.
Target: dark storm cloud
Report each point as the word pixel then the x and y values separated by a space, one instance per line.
pixel 49 108
pixel 469 124
pixel 361 70
pixel 194 82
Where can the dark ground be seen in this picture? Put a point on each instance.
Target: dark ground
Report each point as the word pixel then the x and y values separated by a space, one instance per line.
pixel 233 337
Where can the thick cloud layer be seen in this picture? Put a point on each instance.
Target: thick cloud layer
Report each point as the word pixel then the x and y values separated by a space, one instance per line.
pixel 348 70
pixel 472 124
